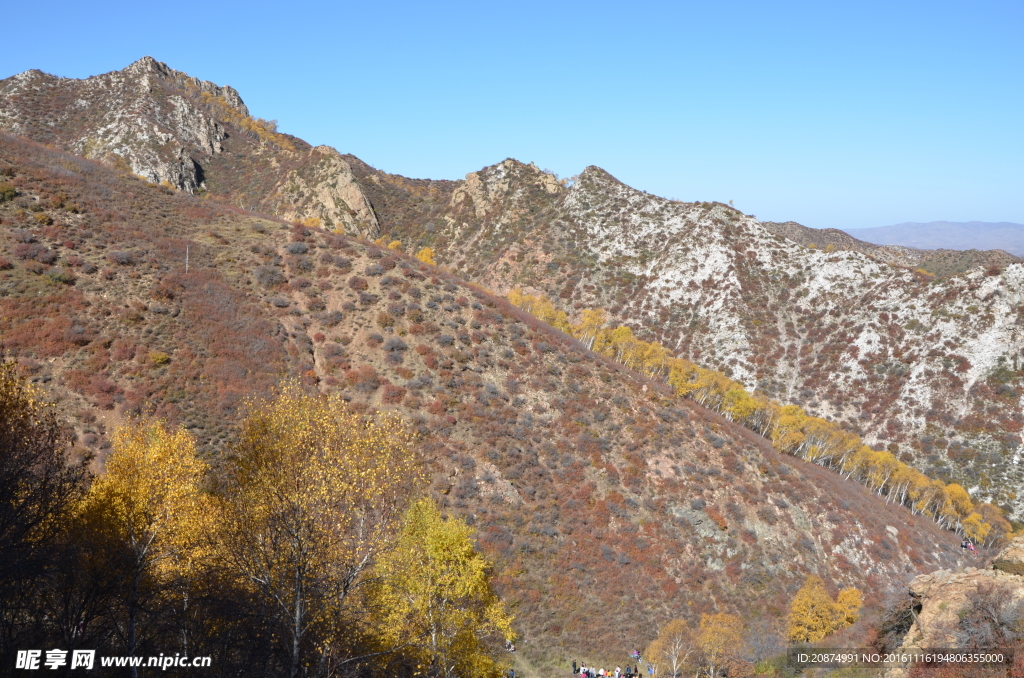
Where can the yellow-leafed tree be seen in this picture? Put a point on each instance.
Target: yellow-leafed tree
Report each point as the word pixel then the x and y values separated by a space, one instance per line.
pixel 435 592
pixel 848 604
pixel 720 636
pixel 151 506
pixel 674 649
pixel 315 494
pixel 813 614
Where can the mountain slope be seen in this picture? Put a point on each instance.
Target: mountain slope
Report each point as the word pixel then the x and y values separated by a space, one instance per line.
pixel 593 490
pixel 941 262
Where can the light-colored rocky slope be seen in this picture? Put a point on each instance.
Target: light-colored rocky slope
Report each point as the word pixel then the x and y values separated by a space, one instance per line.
pixel 973 608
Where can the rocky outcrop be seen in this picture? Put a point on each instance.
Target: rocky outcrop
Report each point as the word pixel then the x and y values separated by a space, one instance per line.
pixel 147 119
pixel 168 127
pixel 324 187
pixel 942 604
pixel 1011 558
pixel 494 185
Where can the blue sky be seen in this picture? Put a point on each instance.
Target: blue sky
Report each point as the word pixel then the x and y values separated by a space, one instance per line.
pixel 847 115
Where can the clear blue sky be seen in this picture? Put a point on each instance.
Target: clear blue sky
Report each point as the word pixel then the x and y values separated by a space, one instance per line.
pixel 841 114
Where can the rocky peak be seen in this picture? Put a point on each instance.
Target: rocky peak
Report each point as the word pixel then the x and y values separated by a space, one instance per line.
pixel 169 127
pixel 501 183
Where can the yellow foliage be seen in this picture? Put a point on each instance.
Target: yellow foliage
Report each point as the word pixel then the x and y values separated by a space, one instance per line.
pixel 264 130
pixel 311 222
pixel 316 492
pixel 849 602
pixel 426 255
pixel 395 245
pixel 976 528
pixel 151 497
pixel 789 427
pixel 159 358
pixel 435 592
pixel 719 637
pixel 813 614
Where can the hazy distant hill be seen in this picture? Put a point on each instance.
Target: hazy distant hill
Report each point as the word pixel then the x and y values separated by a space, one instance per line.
pixel 951 235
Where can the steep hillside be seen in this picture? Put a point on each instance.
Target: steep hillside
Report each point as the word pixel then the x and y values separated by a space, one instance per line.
pixel 596 493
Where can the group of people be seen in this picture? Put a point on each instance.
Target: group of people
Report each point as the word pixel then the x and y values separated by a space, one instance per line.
pixel 585 671
pixel 968 545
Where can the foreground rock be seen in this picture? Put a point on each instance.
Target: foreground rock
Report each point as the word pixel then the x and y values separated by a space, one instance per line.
pixel 977 608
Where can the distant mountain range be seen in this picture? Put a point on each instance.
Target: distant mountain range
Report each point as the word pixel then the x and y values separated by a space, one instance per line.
pixel 949 235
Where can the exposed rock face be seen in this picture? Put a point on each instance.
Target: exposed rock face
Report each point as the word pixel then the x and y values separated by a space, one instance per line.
pixel 496 184
pixel 1011 558
pixel 942 595
pixel 324 187
pixel 165 126
pixel 139 119
pixel 942 601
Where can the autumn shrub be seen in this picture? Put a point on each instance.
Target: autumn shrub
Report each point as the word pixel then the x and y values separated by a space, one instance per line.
pixel 392 394
pixel 120 257
pixel 269 276
pixel 61 276
pixel 364 379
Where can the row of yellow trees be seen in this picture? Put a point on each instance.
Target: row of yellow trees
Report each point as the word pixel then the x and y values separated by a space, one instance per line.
pixel 790 429
pixel 318 525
